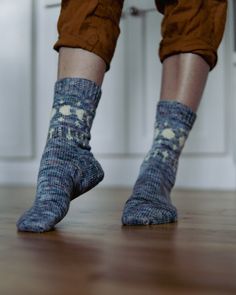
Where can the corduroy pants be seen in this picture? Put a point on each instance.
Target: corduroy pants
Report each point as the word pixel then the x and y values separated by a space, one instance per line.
pixel 195 26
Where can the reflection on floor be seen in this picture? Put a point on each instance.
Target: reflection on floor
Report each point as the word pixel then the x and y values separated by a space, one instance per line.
pixel 90 252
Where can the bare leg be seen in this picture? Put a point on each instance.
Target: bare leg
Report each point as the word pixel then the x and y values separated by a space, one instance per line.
pixel 77 62
pixel 183 78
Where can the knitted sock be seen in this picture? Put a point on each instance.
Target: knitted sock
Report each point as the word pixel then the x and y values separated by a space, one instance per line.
pixel 68 167
pixel 150 201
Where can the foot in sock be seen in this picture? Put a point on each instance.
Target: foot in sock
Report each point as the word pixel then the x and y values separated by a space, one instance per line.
pixel 150 201
pixel 68 167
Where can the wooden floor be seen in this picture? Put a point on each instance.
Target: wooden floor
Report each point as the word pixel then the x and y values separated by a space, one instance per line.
pixel 91 253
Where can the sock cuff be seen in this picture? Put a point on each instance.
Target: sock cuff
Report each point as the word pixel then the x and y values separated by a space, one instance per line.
pixel 176 110
pixel 78 87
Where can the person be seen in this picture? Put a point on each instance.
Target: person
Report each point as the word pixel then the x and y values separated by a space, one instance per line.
pixel 88 32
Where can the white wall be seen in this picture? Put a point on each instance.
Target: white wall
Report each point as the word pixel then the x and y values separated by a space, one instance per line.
pixel 122 129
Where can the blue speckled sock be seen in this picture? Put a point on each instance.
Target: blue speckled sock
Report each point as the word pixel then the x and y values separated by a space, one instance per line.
pixel 150 201
pixel 68 167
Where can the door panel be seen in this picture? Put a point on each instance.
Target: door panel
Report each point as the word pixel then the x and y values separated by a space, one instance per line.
pixel 16 101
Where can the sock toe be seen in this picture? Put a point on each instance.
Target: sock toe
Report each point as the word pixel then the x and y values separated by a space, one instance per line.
pixel 134 220
pixel 146 213
pixel 34 223
pixel 43 217
pixel 34 226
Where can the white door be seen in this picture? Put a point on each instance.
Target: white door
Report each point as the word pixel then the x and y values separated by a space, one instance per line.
pixel 123 127
pixel 16 105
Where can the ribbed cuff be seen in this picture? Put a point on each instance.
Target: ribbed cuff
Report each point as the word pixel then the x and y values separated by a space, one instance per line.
pixel 78 87
pixel 176 110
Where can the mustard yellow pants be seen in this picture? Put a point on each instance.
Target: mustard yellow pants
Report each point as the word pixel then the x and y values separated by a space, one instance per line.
pixel 195 26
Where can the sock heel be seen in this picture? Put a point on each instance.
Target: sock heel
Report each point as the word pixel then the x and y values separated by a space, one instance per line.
pixel 88 174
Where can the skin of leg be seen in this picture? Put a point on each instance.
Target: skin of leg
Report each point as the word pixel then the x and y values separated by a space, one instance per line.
pixel 184 76
pixel 77 62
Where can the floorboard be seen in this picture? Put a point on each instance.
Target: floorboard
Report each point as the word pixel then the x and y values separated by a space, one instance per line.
pixel 90 252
